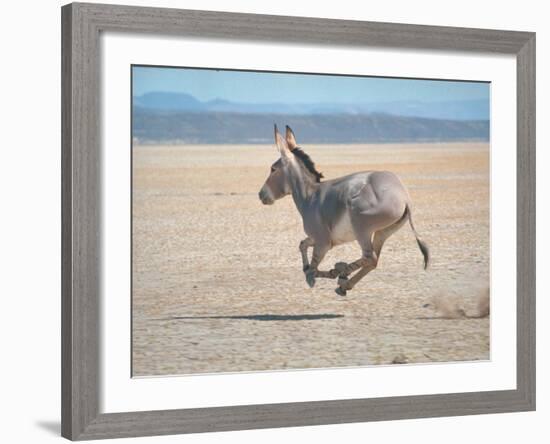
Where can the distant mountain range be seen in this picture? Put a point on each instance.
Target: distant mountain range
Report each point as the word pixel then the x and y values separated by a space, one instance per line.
pixel 160 117
pixel 444 110
pixel 155 126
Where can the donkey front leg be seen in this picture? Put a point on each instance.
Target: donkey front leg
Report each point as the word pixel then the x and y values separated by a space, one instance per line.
pixel 319 252
pixel 304 245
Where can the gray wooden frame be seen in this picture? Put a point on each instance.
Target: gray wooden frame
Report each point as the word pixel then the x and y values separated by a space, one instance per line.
pixel 81 167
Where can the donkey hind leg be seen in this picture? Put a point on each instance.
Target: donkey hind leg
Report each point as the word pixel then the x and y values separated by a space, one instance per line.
pixel 304 245
pixel 364 265
pixel 368 260
pixel 379 238
pixel 369 257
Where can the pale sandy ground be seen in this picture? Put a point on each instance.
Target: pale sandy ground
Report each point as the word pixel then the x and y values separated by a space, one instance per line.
pixel 217 277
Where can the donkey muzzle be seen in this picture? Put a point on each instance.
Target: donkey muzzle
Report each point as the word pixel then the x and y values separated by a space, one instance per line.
pixel 265 197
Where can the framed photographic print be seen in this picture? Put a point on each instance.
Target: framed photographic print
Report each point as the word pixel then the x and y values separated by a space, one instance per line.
pixel 277 221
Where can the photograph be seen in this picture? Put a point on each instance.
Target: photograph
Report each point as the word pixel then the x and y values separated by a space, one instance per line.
pixel 288 221
pixel 274 222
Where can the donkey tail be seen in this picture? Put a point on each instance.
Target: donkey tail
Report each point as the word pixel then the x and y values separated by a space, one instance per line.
pixel 421 244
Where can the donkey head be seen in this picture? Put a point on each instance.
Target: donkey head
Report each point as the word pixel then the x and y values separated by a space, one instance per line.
pixel 277 184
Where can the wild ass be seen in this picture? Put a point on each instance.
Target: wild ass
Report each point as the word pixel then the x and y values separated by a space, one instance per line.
pixel 367 206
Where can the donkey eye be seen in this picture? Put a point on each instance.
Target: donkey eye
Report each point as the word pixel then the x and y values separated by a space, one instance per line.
pixel 272 169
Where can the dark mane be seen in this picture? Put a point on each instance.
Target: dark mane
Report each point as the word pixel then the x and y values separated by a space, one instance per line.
pixel 308 163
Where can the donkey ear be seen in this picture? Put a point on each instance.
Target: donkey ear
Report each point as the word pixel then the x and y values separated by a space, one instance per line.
pixel 290 139
pixel 281 143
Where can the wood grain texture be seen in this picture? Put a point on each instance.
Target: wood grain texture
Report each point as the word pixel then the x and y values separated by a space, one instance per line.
pixel 259 27
pixel 118 425
pixel 81 231
pixel 526 221
pixel 66 223
pixel 81 223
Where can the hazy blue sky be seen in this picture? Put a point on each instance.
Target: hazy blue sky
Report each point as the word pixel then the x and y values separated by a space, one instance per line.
pixel 253 87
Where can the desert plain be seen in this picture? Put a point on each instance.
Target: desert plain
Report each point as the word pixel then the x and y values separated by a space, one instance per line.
pixel 217 281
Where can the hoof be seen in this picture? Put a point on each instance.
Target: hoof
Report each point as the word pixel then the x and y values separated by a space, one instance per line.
pixel 310 278
pixel 342 288
pixel 343 282
pixel 340 291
